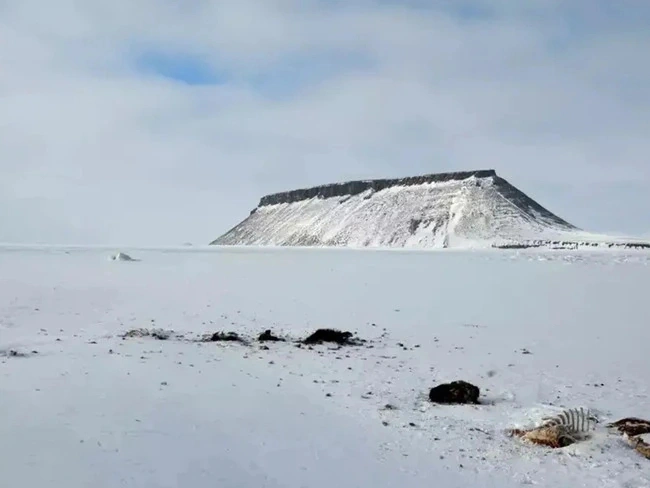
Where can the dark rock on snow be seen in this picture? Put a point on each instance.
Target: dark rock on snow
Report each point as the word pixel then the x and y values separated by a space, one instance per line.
pixel 224 337
pixel 12 353
pixel 456 392
pixel 332 335
pixel 160 334
pixel 267 336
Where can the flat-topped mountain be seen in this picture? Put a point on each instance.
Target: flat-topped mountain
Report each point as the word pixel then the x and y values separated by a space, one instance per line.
pixel 464 209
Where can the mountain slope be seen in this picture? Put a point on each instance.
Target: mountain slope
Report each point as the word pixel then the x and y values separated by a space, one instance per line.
pixel 469 209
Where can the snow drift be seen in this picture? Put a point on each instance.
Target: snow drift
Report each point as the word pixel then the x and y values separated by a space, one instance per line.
pixel 466 209
pixel 120 256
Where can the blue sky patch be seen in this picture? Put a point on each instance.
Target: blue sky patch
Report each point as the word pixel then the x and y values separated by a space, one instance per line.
pixel 183 68
pixel 284 78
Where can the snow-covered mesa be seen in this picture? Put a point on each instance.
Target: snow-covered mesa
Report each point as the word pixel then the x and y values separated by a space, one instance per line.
pixel 475 209
pixel 538 332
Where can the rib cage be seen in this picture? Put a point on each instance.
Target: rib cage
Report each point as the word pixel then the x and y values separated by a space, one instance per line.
pixel 575 420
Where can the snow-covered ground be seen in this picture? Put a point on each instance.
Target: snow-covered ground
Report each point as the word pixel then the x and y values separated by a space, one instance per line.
pixel 92 409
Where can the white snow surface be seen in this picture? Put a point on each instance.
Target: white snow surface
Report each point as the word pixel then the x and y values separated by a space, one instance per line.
pixel 88 408
pixel 474 212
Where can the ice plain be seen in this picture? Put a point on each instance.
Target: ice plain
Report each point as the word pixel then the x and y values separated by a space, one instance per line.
pixel 536 331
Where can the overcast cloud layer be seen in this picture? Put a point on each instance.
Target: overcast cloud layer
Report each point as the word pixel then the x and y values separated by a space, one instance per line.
pixel 164 121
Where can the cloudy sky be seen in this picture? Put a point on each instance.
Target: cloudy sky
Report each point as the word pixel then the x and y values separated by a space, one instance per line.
pixel 164 121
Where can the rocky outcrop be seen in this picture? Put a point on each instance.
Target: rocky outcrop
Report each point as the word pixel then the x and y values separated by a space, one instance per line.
pixel 456 392
pixel 224 337
pixel 268 336
pixel 342 338
pixel 574 244
pixel 351 188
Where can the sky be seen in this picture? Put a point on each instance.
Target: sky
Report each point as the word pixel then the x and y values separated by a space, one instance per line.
pixel 161 122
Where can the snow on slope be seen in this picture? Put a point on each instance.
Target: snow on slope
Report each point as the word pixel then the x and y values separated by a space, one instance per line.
pixel 93 410
pixel 472 209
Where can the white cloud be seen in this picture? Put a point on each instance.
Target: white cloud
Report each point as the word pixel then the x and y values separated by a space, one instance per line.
pixel 94 149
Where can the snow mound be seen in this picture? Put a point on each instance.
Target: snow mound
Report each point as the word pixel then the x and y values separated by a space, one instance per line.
pixel 120 256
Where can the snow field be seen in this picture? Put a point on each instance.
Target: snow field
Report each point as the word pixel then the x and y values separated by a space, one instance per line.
pixel 92 409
